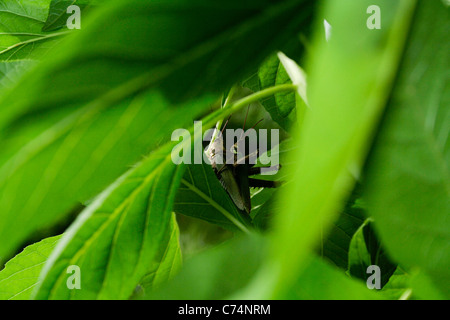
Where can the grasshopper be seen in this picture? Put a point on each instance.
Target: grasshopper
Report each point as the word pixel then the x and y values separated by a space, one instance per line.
pixel 235 177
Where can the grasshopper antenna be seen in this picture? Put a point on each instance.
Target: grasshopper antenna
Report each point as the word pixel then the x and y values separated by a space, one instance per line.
pixel 245 121
pixel 245 134
pixel 246 115
pixel 257 124
pixel 226 122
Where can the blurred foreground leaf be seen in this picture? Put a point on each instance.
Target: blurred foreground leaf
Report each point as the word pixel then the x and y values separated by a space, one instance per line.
pixel 349 82
pixel 408 181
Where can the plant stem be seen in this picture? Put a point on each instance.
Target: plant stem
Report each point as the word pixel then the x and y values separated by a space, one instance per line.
pixel 218 115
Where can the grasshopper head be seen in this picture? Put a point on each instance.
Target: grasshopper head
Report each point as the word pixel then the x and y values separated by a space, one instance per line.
pixel 215 149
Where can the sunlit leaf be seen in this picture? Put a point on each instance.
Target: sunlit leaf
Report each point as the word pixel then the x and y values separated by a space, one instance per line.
pixel 121 237
pixel 21 274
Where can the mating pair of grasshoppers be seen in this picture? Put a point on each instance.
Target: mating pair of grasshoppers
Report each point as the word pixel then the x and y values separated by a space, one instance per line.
pixel 234 171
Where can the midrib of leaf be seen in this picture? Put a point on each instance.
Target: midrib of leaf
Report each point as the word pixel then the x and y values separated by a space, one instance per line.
pixel 218 207
pixel 21 34
pixel 34 40
pixel 28 288
pixel 20 271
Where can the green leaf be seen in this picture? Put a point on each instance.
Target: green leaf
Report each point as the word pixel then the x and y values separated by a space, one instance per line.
pixel 21 274
pixel 224 271
pixel 201 196
pixel 259 197
pixel 21 37
pixel 337 129
pixel 21 40
pixel 168 268
pixel 121 237
pixel 321 281
pixel 215 273
pixel 57 15
pixel 10 71
pixel 425 288
pixel 336 242
pixel 263 218
pixel 410 286
pixel 398 286
pixel 365 250
pixel 408 180
pixel 281 107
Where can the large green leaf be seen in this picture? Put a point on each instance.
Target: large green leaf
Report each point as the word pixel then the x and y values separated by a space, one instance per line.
pixel 21 274
pixel 284 108
pixel 337 129
pixel 201 196
pixel 54 118
pixel 121 237
pixel 281 107
pixel 408 181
